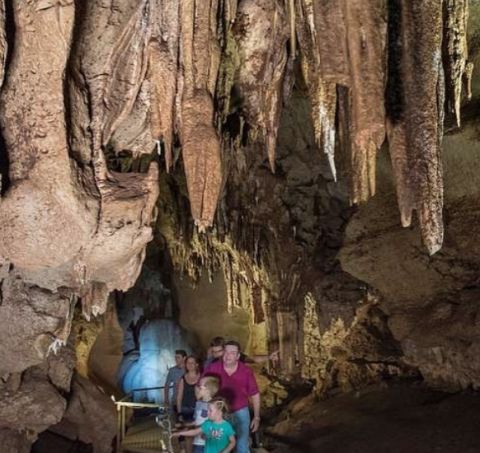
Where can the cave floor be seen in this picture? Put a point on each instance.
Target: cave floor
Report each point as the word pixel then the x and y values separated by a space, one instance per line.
pixel 396 419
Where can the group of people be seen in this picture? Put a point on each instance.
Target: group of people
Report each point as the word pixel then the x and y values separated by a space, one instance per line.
pixel 213 405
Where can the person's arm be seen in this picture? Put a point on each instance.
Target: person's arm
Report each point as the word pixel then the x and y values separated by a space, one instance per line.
pixel 188 433
pixel 191 425
pixel 261 358
pixel 230 446
pixel 255 399
pixel 166 389
pixel 179 395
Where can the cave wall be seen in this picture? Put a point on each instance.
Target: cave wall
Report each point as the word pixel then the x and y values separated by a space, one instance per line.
pixel 204 311
pixel 71 230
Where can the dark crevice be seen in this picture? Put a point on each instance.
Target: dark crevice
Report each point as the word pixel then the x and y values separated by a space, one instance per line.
pixel 71 76
pixel 394 103
pixel 10 32
pixel 4 167
pixel 49 441
pixel 10 36
pixel 125 162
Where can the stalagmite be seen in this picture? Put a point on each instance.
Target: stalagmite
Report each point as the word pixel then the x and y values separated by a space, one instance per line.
pixel 414 110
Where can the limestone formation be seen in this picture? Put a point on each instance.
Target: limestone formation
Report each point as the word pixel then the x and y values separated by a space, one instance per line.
pixel 90 416
pixel 456 52
pixel 415 115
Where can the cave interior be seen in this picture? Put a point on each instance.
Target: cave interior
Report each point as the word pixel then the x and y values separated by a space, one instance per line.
pixel 296 175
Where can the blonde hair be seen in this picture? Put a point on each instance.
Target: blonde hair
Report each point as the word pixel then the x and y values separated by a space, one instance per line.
pixel 221 404
pixel 212 384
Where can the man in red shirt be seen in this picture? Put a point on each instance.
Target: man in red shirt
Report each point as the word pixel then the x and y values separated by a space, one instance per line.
pixel 237 385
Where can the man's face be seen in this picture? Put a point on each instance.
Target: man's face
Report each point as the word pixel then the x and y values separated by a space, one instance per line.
pixel 217 352
pixel 179 359
pixel 231 355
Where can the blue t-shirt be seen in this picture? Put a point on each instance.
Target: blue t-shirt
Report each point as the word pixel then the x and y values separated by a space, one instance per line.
pixel 216 435
pixel 174 375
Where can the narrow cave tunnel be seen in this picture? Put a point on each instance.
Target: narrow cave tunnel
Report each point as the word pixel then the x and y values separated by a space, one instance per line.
pixel 298 176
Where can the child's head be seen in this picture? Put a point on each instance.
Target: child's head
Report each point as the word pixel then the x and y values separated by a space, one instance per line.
pixel 207 388
pixel 217 409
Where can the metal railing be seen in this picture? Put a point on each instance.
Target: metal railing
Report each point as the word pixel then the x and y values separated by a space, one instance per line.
pixel 164 421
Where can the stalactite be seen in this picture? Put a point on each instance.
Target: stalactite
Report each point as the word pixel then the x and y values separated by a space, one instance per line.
pixel 126 66
pixel 415 77
pixel 163 73
pixel 323 94
pixel 344 43
pixel 331 38
pixel 262 34
pixel 455 53
pixel 94 302
pixel 200 55
pixel 366 41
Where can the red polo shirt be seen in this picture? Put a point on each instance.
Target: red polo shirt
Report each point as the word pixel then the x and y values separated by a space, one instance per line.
pixel 237 387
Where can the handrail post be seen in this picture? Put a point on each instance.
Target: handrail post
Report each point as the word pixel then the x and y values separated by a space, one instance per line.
pixel 123 422
pixel 119 428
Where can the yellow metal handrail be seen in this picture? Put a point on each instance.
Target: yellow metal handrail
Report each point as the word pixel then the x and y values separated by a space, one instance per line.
pixel 125 402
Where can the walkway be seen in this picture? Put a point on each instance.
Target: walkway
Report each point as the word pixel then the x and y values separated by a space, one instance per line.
pixel 145 436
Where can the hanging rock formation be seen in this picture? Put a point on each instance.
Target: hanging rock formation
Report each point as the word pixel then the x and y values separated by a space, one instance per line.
pixel 71 230
pixel 416 116
pixel 458 69
pixel 261 32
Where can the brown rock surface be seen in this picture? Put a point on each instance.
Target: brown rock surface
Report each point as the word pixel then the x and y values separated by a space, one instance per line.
pixel 33 406
pixel 90 416
pixel 397 418
pixel 14 441
pixel 429 300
